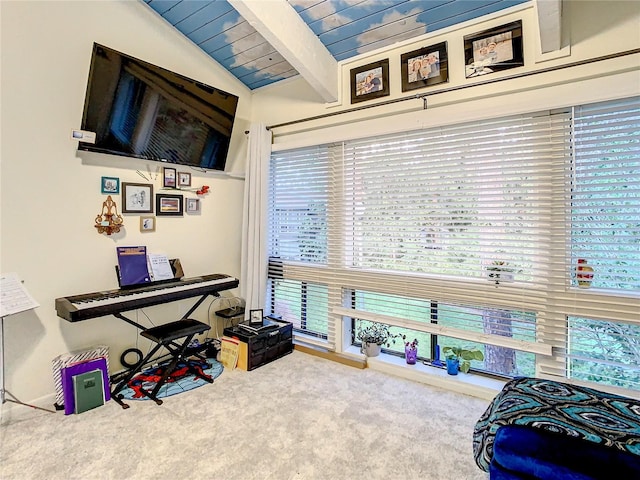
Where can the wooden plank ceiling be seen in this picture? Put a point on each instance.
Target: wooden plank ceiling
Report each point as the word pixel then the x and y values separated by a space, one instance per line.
pixel 261 45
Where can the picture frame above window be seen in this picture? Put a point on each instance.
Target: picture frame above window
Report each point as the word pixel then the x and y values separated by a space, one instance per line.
pixel 494 50
pixel 370 81
pixel 169 205
pixel 137 197
pixel 424 67
pixel 184 179
pixel 169 177
pixel 110 185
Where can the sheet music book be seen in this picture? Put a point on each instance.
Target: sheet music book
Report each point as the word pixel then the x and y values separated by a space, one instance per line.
pixel 132 262
pixel 88 390
pixel 14 297
pixel 159 267
pixel 69 373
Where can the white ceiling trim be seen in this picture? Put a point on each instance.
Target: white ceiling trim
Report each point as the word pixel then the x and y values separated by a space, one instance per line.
pixel 282 27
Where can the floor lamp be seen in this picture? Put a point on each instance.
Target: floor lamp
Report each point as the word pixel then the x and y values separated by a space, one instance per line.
pixel 15 299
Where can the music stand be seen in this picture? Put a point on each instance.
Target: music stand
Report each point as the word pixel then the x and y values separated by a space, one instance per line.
pixel 15 299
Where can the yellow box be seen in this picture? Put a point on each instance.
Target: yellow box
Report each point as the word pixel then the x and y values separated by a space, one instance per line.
pixel 243 356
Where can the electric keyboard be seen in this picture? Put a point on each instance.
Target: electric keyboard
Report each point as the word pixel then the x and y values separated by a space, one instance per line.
pixel 98 304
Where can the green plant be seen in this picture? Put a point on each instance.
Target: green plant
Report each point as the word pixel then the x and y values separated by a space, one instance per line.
pixel 496 268
pixel 463 355
pixel 377 333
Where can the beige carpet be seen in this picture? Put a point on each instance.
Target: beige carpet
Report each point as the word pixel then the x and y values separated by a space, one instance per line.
pixel 300 417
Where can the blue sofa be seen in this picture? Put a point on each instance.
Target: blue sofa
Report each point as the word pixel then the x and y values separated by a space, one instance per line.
pixel 540 429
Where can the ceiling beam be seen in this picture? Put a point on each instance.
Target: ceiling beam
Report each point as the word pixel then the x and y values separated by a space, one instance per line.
pixel 282 27
pixel 549 24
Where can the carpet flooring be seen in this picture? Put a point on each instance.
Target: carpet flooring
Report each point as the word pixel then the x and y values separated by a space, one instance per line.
pixel 299 417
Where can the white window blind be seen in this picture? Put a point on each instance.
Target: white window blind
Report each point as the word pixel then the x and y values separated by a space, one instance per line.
pixel 470 203
pixel 605 193
pixel 482 221
pixel 298 198
pixel 596 330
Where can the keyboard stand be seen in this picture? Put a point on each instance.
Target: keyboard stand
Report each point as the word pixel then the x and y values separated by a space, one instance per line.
pixel 165 336
pixel 186 315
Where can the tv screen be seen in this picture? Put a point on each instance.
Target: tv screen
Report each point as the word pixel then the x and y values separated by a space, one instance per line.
pixel 140 110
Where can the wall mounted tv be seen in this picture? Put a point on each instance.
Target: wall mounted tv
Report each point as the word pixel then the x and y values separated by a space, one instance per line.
pixel 139 110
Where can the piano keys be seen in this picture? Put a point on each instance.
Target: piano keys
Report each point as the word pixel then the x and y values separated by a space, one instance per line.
pixel 91 305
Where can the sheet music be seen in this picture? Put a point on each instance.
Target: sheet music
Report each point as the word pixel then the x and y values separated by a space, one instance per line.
pixel 160 267
pixel 14 298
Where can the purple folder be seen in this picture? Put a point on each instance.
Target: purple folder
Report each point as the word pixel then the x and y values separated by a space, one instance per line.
pixel 76 369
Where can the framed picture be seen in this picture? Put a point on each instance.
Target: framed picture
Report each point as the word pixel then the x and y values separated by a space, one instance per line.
pixel 255 317
pixel 136 198
pixel 168 205
pixel 370 81
pixel 184 179
pixel 493 50
pixel 147 224
pixel 169 177
pixel 110 185
pixel 192 205
pixel 425 67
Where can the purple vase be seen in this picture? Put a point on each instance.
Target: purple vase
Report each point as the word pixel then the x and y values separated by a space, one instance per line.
pixel 411 354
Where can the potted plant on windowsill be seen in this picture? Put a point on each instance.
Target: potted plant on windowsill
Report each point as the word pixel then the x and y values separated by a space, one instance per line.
pixel 500 271
pixel 459 358
pixel 373 336
pixel 410 350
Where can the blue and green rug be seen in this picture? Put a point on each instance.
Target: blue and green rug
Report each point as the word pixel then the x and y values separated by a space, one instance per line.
pixel 181 380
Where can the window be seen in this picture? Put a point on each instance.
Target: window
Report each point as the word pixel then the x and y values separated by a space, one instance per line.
pixel 474 321
pixel 298 198
pixel 303 304
pixel 468 235
pixel 605 193
pixel 604 352
pixel 454 201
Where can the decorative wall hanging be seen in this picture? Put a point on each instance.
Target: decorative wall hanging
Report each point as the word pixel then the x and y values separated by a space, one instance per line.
pixel 370 81
pixel 108 220
pixel 184 179
pixel 110 185
pixel 169 205
pixel 137 198
pixel 192 205
pixel 169 177
pixel 494 50
pixel 147 224
pixel 425 67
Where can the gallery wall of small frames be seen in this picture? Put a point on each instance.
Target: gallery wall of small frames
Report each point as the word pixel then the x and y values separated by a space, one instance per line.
pixel 139 198
pixel 485 52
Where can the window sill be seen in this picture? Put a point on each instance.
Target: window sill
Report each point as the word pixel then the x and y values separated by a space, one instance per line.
pixel 465 383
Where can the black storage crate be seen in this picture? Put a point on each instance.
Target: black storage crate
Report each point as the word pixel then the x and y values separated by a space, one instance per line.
pixel 263 347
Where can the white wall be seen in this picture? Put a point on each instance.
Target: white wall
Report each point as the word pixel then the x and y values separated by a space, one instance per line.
pixel 50 196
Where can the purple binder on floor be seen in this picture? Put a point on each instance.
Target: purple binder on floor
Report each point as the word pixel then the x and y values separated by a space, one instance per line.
pixel 67 381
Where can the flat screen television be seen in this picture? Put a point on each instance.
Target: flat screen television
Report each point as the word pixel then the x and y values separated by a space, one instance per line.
pixel 140 110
